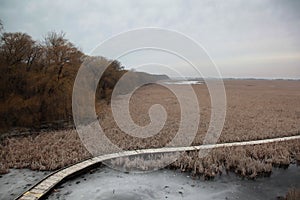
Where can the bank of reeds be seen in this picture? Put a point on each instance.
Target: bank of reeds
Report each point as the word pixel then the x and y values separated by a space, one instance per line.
pixel 255 110
pixel 50 151
pixel 46 151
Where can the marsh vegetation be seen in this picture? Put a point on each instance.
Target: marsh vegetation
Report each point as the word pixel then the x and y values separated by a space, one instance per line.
pixel 257 109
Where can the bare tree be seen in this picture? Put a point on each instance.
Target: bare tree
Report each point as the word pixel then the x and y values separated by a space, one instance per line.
pixel 17 48
pixel 59 51
pixel 34 53
pixel 1 26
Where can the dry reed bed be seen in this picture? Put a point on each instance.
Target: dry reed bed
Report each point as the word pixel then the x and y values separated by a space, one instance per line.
pixel 247 161
pixel 50 151
pixel 46 151
pixel 256 110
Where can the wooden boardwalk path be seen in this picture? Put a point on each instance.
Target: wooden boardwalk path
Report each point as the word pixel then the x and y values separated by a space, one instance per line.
pixel 42 188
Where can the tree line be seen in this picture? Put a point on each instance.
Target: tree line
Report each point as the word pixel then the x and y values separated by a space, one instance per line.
pixel 37 77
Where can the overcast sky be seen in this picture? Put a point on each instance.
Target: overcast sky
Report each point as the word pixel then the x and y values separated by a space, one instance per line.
pixel 257 38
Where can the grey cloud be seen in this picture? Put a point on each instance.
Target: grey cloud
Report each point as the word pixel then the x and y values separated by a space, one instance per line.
pixel 230 30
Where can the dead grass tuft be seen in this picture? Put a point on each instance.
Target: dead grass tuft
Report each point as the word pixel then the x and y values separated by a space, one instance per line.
pixel 293 194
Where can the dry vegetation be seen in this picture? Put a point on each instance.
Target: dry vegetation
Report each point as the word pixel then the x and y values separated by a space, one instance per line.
pixel 257 109
pixel 247 161
pixel 45 151
pixel 293 194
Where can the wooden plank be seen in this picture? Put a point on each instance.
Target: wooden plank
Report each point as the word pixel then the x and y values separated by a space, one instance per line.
pixel 27 198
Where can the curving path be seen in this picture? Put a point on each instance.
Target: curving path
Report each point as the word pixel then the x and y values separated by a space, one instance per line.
pixel 40 190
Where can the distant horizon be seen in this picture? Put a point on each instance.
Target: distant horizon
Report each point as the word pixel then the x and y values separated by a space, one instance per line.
pixel 223 77
pixel 255 78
